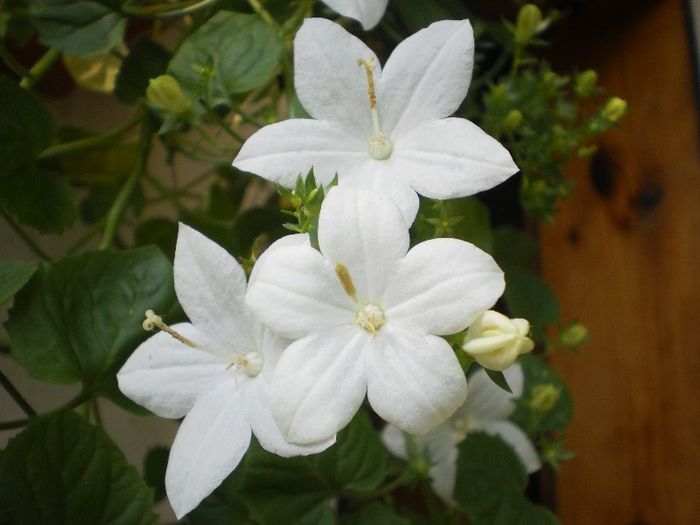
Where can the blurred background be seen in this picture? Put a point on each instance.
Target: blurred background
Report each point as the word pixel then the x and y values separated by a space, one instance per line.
pixel 623 256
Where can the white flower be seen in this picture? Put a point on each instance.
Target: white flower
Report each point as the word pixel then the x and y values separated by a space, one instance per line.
pixel 487 409
pixel 367 12
pixel 214 371
pixel 365 314
pixel 398 140
pixel 496 341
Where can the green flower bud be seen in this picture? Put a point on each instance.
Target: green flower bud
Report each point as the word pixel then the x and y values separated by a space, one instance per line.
pixel 513 120
pixel 544 397
pixel 529 19
pixel 165 92
pixel 574 335
pixel 614 109
pixel 585 83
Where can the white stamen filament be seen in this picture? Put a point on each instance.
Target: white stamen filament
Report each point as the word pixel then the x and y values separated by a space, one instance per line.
pixel 369 316
pixel 380 147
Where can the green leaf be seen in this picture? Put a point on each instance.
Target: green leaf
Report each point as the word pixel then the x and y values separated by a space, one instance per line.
pixel 254 222
pixel 13 276
pixel 489 474
pixel 146 60
pixel 61 469
pixel 375 512
pixel 499 379
pixel 78 319
pixel 514 247
pixel 230 53
pixel 77 27
pixel 520 511
pixel 539 373
pixel 225 505
pixel 159 231
pixel 26 128
pixel 38 198
pixel 154 465
pixel 530 297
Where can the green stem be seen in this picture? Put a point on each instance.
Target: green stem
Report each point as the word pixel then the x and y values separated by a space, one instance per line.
pixel 17 423
pixel 166 193
pixel 225 125
pixel 263 13
pixel 15 394
pixel 96 411
pixel 116 212
pixel 11 62
pixel 92 142
pixel 89 234
pixel 39 69
pixel 168 10
pixel 25 237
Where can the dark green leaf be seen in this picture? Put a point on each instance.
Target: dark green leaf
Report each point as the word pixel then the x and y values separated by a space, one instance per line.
pixel 62 470
pixel 78 319
pixel 520 511
pixel 514 247
pixel 146 60
pixel 530 297
pixel 230 53
pixel 154 465
pixel 225 505
pixel 13 276
pixel 252 223
pixel 374 513
pixel 38 198
pixel 77 27
pixel 539 373
pixel 159 231
pixel 26 128
pixel 499 379
pixel 489 474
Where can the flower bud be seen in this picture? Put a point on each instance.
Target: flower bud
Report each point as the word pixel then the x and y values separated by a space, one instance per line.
pixel 585 83
pixel 513 120
pixel 544 397
pixel 574 335
pixel 165 92
pixel 529 19
pixel 495 341
pixel 614 109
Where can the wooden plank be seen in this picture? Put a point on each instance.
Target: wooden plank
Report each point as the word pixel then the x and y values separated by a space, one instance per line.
pixel 624 257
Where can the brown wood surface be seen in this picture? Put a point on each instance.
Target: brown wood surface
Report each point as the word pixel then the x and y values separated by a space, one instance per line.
pixel 624 257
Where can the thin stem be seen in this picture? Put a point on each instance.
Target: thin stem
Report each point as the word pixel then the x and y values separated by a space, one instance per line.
pixel 166 10
pixel 17 423
pixel 225 125
pixel 116 212
pixel 11 62
pixel 94 405
pixel 92 142
pixel 25 237
pixel 263 13
pixel 92 231
pixel 39 69
pixel 166 193
pixel 15 394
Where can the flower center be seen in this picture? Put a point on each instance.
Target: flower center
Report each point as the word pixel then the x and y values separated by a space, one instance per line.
pixel 380 147
pixel 369 316
pixel 250 364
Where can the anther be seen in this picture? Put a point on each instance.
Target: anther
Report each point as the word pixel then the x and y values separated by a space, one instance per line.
pixel 344 276
pixel 154 321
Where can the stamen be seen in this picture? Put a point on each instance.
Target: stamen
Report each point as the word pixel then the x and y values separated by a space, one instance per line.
pixel 251 363
pixel 342 272
pixel 154 321
pixel 380 147
pixel 371 318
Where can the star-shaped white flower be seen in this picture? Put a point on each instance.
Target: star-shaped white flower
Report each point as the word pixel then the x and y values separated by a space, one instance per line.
pixel 214 371
pixel 386 131
pixel 367 12
pixel 366 312
pixel 487 409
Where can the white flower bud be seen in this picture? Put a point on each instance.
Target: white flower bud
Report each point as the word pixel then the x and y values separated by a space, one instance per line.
pixel 495 341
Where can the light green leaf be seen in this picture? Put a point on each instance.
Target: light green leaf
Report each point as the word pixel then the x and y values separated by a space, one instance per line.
pixel 230 53
pixel 77 27
pixel 146 60
pixel 63 470
pixel 78 319
pixel 26 128
pixel 13 276
pixel 38 198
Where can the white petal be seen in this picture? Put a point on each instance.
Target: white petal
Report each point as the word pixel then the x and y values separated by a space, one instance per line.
pixel 367 233
pixel 319 384
pixel 167 377
pixel 395 441
pixel 516 438
pixel 414 381
pixel 367 12
pixel 329 82
pixel 385 177
pixel 426 77
pixel 265 427
pixel 295 291
pixel 282 151
pixel 489 402
pixel 210 286
pixel 209 445
pixel 452 157
pixel 441 286
pixel 442 452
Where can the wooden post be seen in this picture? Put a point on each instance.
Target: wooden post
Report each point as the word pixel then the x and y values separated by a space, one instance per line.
pixel 624 257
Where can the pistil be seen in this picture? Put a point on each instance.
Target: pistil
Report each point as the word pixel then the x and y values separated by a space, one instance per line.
pixel 380 147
